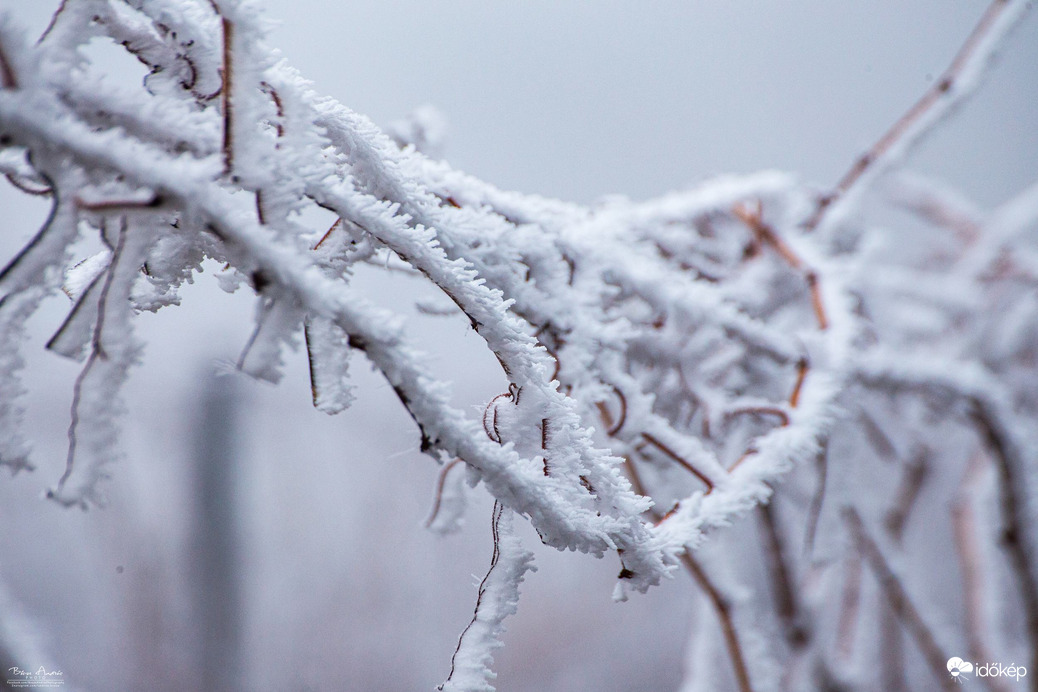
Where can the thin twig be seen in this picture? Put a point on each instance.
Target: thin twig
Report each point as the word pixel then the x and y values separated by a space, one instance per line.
pixel 227 101
pixel 8 80
pixel 327 234
pixel 440 481
pixel 814 512
pixel 53 21
pixel 802 368
pixel 25 187
pixel 724 614
pixel 613 426
pixel 908 493
pixel 720 603
pixel 758 411
pixel 782 579
pixel 766 234
pixel 894 590
pixel 96 353
pixel 941 87
pixel 967 549
pixel 1016 537
pixel 52 214
pixel 495 520
pixel 850 607
pixel 651 439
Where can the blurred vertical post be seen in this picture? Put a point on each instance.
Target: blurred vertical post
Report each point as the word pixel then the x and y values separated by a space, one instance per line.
pixel 216 539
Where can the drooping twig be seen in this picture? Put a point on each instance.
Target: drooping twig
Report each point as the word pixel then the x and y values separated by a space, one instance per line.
pixel 26 187
pixel 613 426
pixel 10 268
pixel 97 352
pixel 440 481
pixel 494 522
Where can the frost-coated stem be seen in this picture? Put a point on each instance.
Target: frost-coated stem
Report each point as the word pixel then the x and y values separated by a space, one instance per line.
pixel 498 597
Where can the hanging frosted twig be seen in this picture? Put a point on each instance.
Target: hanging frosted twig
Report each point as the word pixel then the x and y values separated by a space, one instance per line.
pixel 498 597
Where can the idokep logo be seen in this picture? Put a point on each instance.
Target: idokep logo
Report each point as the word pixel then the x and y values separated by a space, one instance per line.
pixel 958 669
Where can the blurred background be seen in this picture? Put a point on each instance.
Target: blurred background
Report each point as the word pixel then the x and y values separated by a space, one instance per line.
pixel 301 534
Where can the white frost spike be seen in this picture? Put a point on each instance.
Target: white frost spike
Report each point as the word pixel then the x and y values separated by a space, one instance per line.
pixel 328 353
pixel 498 598
pixel 79 276
pixel 276 324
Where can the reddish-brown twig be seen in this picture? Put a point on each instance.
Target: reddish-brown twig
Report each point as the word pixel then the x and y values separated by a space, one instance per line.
pixel 52 22
pixel 490 418
pixel 109 206
pixel 758 411
pixel 681 461
pixel 613 426
pixel 278 107
pixel 97 353
pixel 754 219
pixel 227 77
pixel 440 481
pixel 908 493
pixel 8 80
pixel 802 367
pixel 719 603
pixel 1017 527
pixel 327 234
